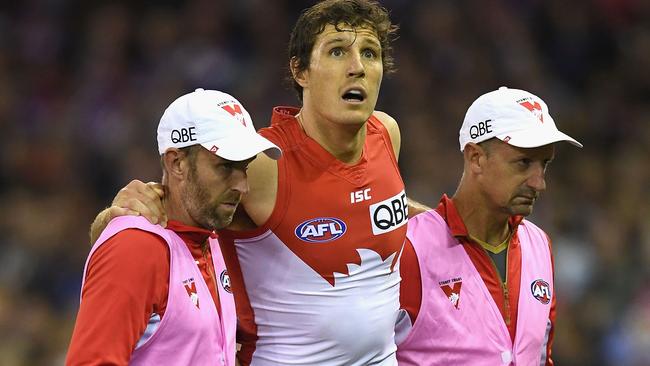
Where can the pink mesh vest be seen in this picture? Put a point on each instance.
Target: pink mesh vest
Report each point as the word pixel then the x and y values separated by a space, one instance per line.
pixel 187 334
pixel 458 322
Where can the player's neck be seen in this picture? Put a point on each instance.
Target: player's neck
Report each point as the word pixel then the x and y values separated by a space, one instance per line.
pixel 480 221
pixel 345 142
pixel 173 206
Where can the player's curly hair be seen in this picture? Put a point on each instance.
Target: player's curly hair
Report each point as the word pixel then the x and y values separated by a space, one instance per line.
pixel 355 13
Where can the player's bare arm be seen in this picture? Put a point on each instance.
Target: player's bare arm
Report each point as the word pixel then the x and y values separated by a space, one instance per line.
pixel 416 207
pixel 389 122
pixel 136 198
pixel 256 206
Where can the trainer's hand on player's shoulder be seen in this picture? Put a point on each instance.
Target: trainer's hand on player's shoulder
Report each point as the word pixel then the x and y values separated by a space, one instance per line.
pixel 140 199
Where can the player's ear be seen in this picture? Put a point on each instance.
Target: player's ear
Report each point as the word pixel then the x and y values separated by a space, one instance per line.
pixel 474 156
pixel 298 75
pixel 175 163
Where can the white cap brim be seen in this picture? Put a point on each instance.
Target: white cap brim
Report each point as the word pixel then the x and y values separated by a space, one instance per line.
pixel 530 138
pixel 242 146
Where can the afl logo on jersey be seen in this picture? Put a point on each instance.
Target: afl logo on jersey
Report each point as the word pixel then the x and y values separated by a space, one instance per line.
pixel 320 230
pixel 225 281
pixel 541 291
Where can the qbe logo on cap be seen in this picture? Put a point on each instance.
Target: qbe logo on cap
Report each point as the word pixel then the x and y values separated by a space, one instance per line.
pixel 481 128
pixel 183 135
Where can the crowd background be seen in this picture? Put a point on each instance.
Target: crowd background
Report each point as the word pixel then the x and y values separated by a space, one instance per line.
pixel 83 84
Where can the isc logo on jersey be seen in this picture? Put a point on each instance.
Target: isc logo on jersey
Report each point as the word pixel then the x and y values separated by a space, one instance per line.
pixel 541 291
pixel 389 214
pixel 321 230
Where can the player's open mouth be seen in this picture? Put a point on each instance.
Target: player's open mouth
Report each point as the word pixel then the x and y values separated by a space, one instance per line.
pixel 354 95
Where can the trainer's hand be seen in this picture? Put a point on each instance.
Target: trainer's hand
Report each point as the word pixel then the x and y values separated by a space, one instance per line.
pixel 140 199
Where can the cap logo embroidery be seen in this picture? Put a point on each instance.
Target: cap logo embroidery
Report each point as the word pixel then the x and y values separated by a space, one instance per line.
pixel 451 288
pixel 535 108
pixel 183 135
pixel 190 287
pixel 480 129
pixel 235 111
pixel 214 149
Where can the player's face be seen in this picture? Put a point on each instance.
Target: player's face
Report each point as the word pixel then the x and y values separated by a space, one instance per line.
pixel 342 81
pixel 213 189
pixel 514 177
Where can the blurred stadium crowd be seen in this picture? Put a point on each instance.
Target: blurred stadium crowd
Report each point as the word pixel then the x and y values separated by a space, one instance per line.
pixel 83 84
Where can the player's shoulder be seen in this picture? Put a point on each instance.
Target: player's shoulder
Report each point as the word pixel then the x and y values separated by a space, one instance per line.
pixel 528 225
pixel 426 220
pixel 142 240
pixel 537 235
pixel 428 230
pixel 390 124
pixel 386 120
pixel 284 134
pixel 142 248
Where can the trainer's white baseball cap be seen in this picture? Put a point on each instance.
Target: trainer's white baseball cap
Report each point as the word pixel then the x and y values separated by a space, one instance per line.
pixel 514 116
pixel 215 120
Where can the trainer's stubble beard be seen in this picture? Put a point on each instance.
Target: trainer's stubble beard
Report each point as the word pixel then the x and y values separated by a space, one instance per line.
pixel 200 208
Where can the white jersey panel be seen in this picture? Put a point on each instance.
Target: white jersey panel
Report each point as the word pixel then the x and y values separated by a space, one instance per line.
pixel 303 320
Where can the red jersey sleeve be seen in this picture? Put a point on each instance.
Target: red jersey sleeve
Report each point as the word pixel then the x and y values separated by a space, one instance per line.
pixel 410 290
pixel 126 281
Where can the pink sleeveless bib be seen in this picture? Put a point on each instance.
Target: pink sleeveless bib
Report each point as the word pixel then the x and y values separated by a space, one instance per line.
pixel 458 322
pixel 188 334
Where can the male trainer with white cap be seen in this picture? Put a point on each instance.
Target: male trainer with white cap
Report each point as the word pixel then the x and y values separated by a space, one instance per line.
pixel 477 278
pixel 162 296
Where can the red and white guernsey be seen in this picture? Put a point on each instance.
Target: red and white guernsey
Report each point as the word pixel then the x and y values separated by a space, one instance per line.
pixel 318 283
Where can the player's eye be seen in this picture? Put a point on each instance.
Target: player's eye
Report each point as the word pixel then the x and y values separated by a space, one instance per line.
pixel 524 162
pixel 369 53
pixel 225 168
pixel 336 52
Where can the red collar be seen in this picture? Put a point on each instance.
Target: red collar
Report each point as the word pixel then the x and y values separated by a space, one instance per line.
pixel 282 113
pixel 190 234
pixel 450 214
